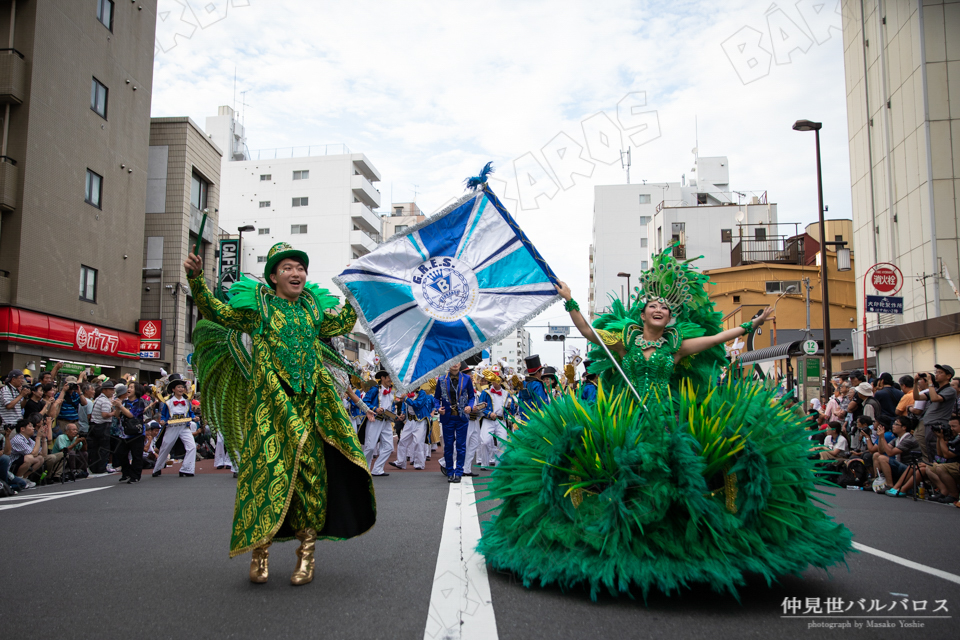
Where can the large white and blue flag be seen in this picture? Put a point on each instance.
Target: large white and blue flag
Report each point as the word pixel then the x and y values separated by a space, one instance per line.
pixel 447 288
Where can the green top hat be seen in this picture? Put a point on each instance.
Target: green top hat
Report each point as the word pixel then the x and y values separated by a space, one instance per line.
pixel 277 253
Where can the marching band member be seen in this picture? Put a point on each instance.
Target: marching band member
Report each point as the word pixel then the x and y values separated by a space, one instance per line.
pixel 381 400
pixel 176 415
pixel 417 408
pixel 497 406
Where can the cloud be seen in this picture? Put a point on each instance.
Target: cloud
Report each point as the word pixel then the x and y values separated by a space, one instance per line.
pixel 430 91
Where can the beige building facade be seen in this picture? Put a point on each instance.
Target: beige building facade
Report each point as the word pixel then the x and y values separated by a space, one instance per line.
pixel 183 182
pixel 902 64
pixel 75 91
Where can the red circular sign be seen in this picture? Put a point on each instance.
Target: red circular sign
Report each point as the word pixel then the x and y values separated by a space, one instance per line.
pixel 885 280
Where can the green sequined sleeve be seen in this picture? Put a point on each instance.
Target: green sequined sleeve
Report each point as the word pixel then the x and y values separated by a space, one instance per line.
pixel 339 324
pixel 245 321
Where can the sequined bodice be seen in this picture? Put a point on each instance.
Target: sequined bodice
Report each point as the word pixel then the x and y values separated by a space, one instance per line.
pixel 649 374
pixel 291 338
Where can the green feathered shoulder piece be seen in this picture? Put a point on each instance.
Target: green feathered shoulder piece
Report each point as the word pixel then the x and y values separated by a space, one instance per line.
pixel 324 299
pixel 243 294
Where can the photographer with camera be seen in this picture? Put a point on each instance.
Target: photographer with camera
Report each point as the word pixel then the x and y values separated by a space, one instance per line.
pixel 73 399
pixel 941 399
pixel 13 394
pixel 946 475
pixel 890 462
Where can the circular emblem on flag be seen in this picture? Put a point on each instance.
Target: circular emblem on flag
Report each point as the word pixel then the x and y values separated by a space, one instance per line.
pixel 445 288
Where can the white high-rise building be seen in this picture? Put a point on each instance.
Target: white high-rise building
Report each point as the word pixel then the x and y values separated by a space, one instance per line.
pixel 701 215
pixel 319 199
pixel 512 348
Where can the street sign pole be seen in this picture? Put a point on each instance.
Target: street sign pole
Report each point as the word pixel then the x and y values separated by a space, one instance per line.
pixel 885 278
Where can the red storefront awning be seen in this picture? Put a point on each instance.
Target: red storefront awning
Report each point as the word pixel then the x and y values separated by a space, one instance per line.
pixel 30 327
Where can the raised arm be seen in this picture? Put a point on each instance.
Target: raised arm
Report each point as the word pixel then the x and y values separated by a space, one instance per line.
pixel 610 339
pixel 212 309
pixel 691 346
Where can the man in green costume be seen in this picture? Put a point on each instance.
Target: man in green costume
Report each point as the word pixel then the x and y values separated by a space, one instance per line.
pixel 302 471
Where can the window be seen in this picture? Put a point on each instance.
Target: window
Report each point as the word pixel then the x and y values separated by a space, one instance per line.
pixel 736 299
pixel 398 211
pixel 261 259
pixel 726 235
pixel 781 286
pixel 300 202
pixel 105 13
pixel 838 238
pixel 98 98
pixel 88 284
pixel 266 176
pixel 94 189
pixel 198 192
pixel 701 198
pixel 644 219
pixel 644 198
pixel 301 175
pixel 760 233
pixel 643 265
pixel 193 315
pixel 298 228
pixel 643 242
pixel 264 204
pixel 265 231
pixel 401 227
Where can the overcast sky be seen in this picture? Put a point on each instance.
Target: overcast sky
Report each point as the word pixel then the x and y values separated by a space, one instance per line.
pixel 430 91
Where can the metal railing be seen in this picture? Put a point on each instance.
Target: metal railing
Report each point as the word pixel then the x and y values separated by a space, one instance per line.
pixel 279 153
pixel 776 249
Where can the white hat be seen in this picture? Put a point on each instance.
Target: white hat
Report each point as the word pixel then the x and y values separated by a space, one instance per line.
pixel 865 389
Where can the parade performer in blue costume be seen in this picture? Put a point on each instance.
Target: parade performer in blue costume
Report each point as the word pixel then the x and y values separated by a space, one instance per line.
pixel 493 430
pixel 588 390
pixel 533 394
pixel 455 398
pixel 416 410
pixel 669 479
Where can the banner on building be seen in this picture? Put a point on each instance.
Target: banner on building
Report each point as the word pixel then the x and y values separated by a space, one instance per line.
pixel 228 267
pixel 151 339
pixel 447 288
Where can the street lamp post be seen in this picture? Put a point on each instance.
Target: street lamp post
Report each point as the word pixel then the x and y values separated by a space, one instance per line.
pixel 807 125
pixel 623 274
pixel 241 230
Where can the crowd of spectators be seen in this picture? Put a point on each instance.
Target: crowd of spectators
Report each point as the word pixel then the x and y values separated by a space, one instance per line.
pixel 898 438
pixel 62 431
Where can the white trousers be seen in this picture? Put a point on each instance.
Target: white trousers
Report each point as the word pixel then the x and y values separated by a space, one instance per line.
pixel 473 445
pixel 356 420
pixel 411 444
pixel 490 452
pixel 378 431
pixel 170 435
pixel 220 456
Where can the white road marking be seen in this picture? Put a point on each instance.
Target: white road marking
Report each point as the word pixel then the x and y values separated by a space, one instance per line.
pixel 47 497
pixel 907 563
pixel 460 603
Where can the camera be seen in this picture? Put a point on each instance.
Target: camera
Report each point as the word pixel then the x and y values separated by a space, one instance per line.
pixel 941 427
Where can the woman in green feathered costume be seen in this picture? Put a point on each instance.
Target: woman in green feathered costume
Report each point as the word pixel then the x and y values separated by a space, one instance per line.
pixel 672 478
pixel 302 472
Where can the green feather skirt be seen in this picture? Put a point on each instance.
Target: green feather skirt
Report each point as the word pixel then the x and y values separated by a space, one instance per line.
pixel 700 489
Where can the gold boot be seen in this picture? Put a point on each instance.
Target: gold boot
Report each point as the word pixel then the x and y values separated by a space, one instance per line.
pixel 304 571
pixel 258 564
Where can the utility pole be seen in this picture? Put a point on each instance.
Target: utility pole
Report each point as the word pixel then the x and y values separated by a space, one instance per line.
pixel 806 283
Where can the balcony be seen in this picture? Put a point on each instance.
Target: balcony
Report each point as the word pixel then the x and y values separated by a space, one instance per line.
pixel 8 183
pixel 365 167
pixel 363 217
pixel 362 242
pixel 13 77
pixel 774 249
pixel 364 191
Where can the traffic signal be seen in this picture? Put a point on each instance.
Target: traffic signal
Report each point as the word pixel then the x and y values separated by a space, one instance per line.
pixel 558 337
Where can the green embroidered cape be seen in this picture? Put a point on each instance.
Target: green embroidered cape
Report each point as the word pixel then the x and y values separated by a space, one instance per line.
pixel 301 465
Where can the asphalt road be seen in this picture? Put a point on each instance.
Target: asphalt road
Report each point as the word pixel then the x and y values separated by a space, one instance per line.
pixel 151 560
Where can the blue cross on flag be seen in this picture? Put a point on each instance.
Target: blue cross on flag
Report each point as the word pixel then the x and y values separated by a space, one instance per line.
pixel 447 288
